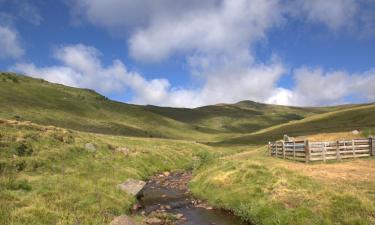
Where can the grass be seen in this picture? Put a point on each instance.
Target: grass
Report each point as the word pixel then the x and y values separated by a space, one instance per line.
pixel 25 98
pixel 48 177
pixel 360 117
pixel 265 190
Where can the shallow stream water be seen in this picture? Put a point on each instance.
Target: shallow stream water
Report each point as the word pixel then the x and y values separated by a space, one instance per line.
pixel 170 194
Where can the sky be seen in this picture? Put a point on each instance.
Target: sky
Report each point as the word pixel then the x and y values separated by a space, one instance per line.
pixel 197 52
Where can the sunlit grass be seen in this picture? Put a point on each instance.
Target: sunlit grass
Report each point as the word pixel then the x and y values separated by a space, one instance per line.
pixel 265 190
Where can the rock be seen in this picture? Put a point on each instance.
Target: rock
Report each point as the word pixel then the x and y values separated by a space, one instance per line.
pixel 153 221
pixel 123 220
pixel 136 207
pixel 123 150
pixel 166 173
pixel 355 132
pixel 132 187
pixel 179 216
pixel 90 147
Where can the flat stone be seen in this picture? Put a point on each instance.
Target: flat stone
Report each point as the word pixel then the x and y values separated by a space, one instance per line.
pixel 153 221
pixel 132 187
pixel 123 220
pixel 90 147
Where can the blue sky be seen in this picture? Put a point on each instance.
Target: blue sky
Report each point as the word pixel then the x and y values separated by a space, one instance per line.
pixel 194 53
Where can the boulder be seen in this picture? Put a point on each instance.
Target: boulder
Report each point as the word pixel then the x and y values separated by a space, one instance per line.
pixel 355 132
pixel 123 220
pixel 132 187
pixel 90 147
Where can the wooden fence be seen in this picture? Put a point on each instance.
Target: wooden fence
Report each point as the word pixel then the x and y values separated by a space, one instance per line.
pixel 307 151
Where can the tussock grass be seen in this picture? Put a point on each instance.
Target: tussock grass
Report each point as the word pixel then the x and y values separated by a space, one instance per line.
pixel 48 177
pixel 265 190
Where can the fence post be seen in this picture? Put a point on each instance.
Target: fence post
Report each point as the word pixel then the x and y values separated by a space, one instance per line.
pixel 324 152
pixel 372 146
pixel 269 148
pixel 338 156
pixel 283 149
pixel 307 151
pixel 294 150
pixel 353 148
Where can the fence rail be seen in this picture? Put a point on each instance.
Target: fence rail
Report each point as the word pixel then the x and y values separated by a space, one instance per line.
pixel 308 151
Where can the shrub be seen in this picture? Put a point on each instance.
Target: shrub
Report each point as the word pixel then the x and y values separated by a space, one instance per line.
pixel 23 149
pixel 19 185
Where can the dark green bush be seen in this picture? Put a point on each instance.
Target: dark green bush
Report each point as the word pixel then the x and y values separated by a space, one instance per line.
pixel 19 185
pixel 23 149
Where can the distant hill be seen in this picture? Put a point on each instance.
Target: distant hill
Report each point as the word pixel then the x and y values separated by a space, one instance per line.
pixel 361 117
pixel 25 98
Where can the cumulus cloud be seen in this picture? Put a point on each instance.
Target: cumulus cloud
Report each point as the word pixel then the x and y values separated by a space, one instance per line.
pixel 314 87
pixel 227 27
pixel 216 37
pixel 81 67
pixel 10 46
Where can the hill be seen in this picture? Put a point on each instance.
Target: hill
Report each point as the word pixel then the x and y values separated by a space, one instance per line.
pixel 25 98
pixel 360 117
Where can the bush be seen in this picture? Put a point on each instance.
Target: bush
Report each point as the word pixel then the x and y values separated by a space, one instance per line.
pixel 203 157
pixel 23 149
pixel 20 165
pixel 19 185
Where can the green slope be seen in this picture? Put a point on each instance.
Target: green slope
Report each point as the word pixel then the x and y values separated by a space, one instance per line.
pixel 39 101
pixel 360 117
pixel 26 98
pixel 242 117
pixel 42 102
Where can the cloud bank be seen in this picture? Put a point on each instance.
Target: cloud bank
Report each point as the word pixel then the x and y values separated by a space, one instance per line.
pixel 10 46
pixel 216 38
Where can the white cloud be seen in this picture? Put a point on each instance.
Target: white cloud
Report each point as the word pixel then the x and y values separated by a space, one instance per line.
pixel 81 67
pixel 314 87
pixel 10 46
pixel 216 38
pixel 226 27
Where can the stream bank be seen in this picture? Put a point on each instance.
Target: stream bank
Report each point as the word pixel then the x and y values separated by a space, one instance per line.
pixel 166 199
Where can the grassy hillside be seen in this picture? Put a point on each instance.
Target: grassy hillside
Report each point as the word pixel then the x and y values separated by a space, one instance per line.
pixel 242 117
pixel 36 100
pixel 265 190
pixel 360 117
pixel 48 177
pixel 25 98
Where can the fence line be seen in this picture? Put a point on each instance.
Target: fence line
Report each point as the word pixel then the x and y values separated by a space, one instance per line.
pixel 308 151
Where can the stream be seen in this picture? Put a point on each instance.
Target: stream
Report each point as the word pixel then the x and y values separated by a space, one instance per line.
pixel 168 194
